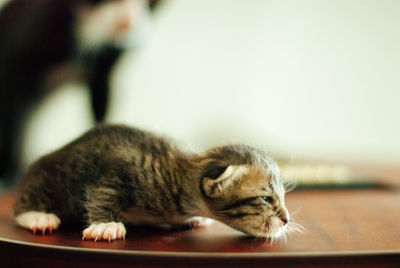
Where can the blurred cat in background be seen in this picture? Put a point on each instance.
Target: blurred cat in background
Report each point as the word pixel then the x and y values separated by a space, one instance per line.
pixel 45 42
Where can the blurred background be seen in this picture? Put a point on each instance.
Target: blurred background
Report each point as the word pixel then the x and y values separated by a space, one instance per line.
pixel 303 80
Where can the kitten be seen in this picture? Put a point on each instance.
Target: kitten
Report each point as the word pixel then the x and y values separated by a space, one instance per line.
pixel 115 175
pixel 45 42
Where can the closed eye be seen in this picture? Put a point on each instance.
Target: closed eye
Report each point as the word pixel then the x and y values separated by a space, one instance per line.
pixel 267 199
pixel 250 201
pixel 239 203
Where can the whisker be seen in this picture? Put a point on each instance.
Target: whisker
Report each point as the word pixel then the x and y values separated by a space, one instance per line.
pixel 270 227
pixel 294 228
pixel 260 231
pixel 289 185
pixel 263 225
pixel 284 237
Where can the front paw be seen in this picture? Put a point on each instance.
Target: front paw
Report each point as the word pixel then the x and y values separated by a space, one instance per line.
pixel 104 231
pixel 193 222
pixel 36 220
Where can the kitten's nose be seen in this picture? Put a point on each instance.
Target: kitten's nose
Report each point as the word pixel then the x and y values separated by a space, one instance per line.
pixel 284 216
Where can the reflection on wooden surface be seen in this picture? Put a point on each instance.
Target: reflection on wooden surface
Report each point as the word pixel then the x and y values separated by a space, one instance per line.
pixel 341 227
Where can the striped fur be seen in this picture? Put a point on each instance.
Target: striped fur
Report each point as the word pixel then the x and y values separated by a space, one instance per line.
pixel 116 173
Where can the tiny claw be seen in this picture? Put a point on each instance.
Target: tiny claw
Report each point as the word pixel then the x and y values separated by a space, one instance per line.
pixel 109 238
pixel 83 237
pixel 43 231
pixel 95 240
pixel 34 230
pixel 123 237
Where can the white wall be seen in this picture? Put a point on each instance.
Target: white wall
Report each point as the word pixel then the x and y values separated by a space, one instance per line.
pixel 302 79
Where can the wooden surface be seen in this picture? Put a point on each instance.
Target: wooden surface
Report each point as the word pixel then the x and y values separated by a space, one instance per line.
pixel 342 227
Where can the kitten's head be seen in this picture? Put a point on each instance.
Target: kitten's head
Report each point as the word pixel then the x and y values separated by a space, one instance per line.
pixel 243 189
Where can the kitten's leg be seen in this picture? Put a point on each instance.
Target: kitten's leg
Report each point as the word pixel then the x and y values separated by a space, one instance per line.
pixel 36 220
pixel 193 222
pixel 32 209
pixel 104 231
pixel 103 215
pixel 198 221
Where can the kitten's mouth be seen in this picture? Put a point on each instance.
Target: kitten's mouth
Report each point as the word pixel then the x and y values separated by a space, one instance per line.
pixel 268 234
pixel 270 231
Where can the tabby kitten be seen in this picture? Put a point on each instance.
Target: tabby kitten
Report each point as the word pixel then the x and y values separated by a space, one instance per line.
pixel 115 175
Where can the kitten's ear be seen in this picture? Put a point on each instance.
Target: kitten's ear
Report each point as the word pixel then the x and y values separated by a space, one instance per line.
pixel 217 178
pixel 214 170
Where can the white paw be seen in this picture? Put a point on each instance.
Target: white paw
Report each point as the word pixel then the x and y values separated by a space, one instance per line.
pixel 198 221
pixel 36 220
pixel 104 231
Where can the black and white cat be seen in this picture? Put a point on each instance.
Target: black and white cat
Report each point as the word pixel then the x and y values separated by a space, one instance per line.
pixel 45 42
